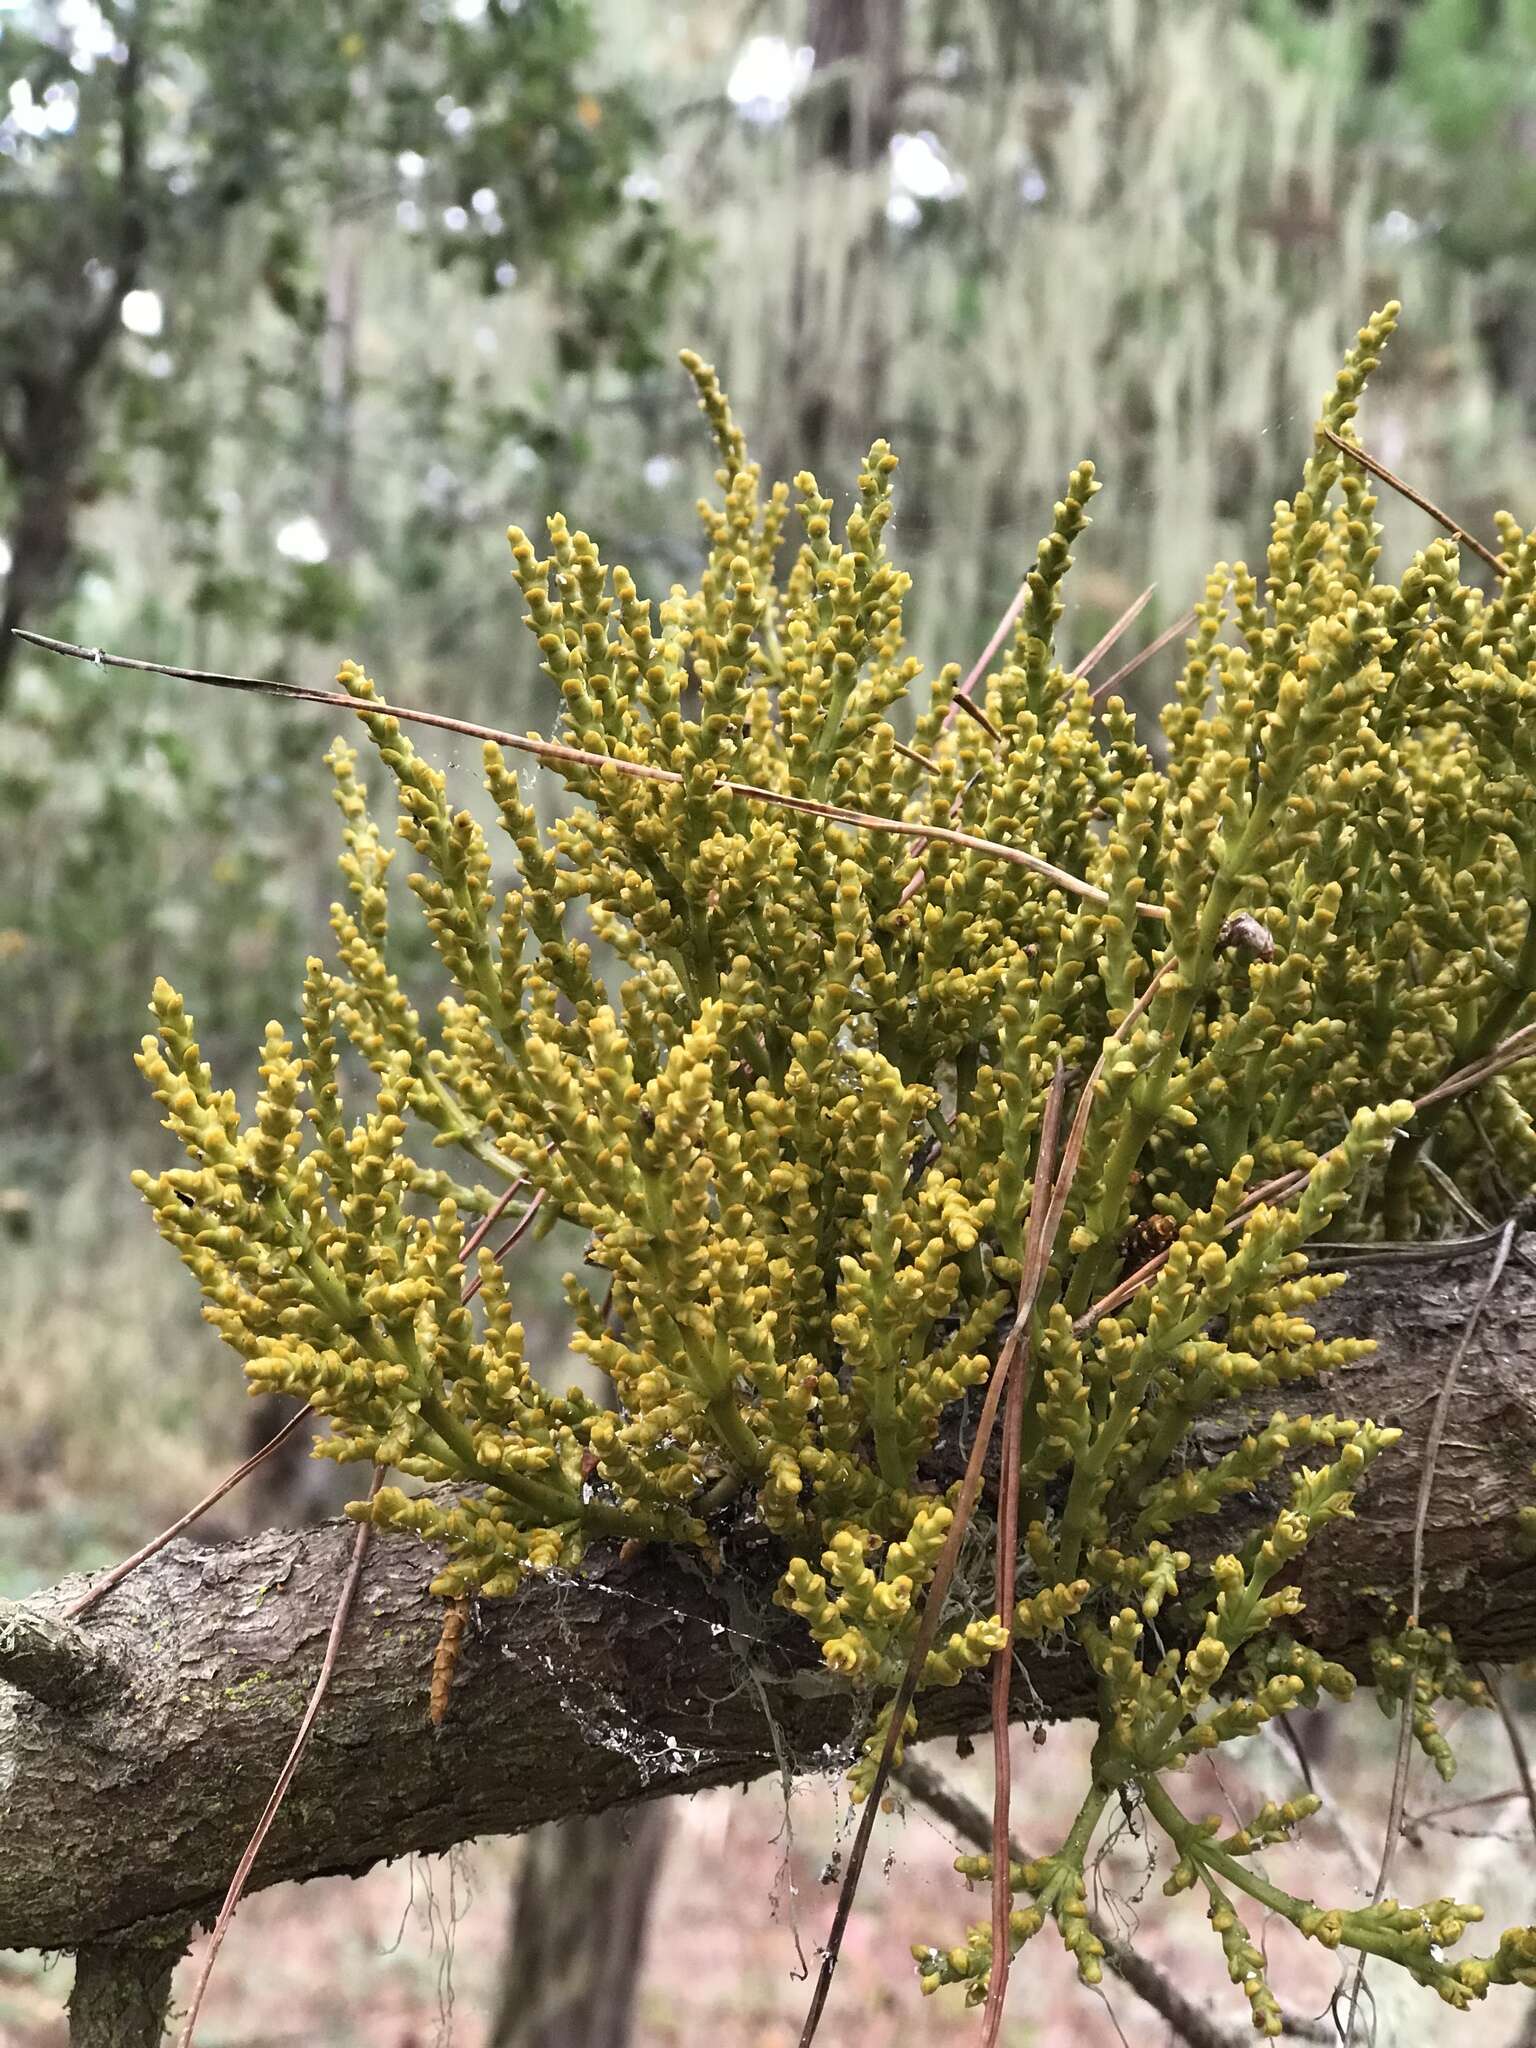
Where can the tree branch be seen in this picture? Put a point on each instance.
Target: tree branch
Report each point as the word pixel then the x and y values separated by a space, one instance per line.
pixel 642 1676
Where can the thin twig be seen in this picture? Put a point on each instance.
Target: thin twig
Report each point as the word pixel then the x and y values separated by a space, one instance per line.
pixel 1396 1802
pixel 1282 1732
pixel 1433 1814
pixel 286 1775
pixel 119 1572
pixel 1405 490
pixel 1517 1748
pixel 1399 1794
pixel 579 757
pixel 1180 625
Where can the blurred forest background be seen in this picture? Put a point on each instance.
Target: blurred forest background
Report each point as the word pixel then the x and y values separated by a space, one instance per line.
pixel 302 301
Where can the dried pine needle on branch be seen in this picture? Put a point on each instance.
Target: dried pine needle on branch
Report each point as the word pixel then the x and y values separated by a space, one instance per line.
pixel 801 1105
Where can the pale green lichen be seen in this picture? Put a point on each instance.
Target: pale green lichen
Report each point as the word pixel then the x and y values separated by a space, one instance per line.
pixel 800 1129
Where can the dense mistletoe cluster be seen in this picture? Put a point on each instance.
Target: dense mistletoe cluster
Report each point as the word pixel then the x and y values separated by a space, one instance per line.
pixel 788 1073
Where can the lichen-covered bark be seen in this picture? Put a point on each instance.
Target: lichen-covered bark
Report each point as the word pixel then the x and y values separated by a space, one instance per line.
pixel 637 1677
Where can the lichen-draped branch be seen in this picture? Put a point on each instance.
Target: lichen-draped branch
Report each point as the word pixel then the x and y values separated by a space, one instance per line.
pixel 797 1122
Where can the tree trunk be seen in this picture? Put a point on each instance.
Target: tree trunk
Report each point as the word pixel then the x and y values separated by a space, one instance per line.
pixel 579 1912
pixel 128 1797
pixel 48 419
pixel 122 1989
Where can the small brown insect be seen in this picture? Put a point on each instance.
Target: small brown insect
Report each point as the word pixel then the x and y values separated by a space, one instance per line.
pixel 1246 935
pixel 445 1659
pixel 1144 1240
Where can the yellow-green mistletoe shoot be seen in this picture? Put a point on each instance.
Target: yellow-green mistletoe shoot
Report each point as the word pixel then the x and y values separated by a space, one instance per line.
pixel 787 1071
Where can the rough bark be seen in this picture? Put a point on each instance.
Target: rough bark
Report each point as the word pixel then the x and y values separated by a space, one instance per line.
pixel 122 1990
pixel 637 1677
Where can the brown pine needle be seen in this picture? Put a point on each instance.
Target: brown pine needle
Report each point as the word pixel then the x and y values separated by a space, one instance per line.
pixel 119 1572
pixel 286 1775
pixel 962 699
pixel 1405 490
pixel 1040 1208
pixel 488 1221
pixel 515 1236
pixel 973 710
pixel 1180 625
pixel 1128 617
pixel 553 750
pixel 911 754
pixel 928 1628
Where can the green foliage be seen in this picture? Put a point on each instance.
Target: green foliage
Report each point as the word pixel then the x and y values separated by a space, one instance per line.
pixel 227 160
pixel 801 1134
pixel 1411 1671
pixel 1438 96
pixel 131 854
pixel 280 185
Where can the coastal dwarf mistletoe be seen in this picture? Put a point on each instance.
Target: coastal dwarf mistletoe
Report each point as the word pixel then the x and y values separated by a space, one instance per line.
pixel 787 1065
